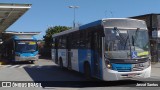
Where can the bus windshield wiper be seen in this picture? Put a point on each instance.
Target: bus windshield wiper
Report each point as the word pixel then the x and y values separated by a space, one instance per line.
pixel 136 34
pixel 126 42
pixel 134 38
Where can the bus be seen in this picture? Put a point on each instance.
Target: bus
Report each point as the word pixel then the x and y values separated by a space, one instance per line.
pixel 109 49
pixel 19 46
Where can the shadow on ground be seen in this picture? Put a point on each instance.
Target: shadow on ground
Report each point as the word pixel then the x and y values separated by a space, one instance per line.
pixel 5 62
pixel 44 57
pixel 54 76
pixel 53 73
pixel 57 77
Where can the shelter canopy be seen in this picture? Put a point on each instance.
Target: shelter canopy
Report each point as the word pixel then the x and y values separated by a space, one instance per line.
pixel 9 13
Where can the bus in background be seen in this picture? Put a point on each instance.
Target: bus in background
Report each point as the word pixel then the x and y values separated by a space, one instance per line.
pixel 19 46
pixel 107 49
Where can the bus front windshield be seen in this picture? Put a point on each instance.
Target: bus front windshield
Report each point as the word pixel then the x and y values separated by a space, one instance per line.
pixel 26 46
pixel 126 43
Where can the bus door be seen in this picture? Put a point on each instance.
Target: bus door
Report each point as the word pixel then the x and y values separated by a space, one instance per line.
pixel 10 50
pixel 96 47
pixel 56 51
pixel 69 53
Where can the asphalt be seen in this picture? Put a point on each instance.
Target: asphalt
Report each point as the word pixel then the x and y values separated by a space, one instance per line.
pixel 155 69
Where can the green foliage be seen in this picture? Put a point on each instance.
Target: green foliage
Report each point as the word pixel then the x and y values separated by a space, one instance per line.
pixel 53 30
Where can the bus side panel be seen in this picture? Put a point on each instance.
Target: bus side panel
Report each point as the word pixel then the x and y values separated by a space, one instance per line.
pixel 87 55
pixel 26 56
pixel 74 59
pixel 53 54
pixel 83 55
pixel 92 63
pixel 100 67
pixel 62 54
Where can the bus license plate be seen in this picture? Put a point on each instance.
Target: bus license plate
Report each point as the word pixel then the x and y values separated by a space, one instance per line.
pixel 131 75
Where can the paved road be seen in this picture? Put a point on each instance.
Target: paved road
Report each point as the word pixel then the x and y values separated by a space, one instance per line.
pixel 46 70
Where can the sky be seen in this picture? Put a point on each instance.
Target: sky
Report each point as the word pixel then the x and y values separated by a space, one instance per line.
pixel 47 13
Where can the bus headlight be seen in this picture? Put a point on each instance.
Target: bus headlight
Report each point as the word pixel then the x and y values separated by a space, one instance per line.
pixel 148 63
pixel 108 64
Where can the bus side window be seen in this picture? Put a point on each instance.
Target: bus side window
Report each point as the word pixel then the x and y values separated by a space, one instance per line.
pixel 53 43
pixel 82 40
pixel 63 42
pixel 58 43
pixel 74 41
pixel 88 40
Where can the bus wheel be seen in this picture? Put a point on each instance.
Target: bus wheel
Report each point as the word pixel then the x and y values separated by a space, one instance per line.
pixel 32 62
pixel 12 62
pixel 87 71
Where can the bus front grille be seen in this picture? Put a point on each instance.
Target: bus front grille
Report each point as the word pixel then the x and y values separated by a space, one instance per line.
pixel 123 69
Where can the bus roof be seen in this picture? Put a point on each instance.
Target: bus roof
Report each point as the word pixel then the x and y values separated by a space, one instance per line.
pixel 95 23
pixel 98 22
pixel 9 13
pixel 20 33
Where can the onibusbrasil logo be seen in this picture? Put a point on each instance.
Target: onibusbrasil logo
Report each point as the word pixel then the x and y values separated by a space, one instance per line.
pixel 20 84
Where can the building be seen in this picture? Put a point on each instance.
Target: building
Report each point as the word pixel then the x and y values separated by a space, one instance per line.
pixel 153 24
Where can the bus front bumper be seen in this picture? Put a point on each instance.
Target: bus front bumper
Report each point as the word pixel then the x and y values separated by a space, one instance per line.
pixel 32 58
pixel 112 75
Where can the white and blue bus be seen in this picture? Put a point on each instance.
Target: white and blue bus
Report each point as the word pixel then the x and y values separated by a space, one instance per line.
pixel 107 49
pixel 20 46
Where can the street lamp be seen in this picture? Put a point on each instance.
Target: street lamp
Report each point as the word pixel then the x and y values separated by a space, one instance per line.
pixel 74 7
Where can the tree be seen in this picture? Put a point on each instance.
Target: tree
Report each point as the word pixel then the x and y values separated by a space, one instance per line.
pixel 53 30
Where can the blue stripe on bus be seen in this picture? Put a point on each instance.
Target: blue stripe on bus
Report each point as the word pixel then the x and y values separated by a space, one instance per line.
pixel 27 54
pixel 87 55
pixel 82 57
pixel 101 72
pixel 17 38
pixel 100 65
pixel 92 63
pixel 122 67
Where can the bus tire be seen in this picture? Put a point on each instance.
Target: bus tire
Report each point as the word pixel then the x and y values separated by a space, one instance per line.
pixel 60 63
pixel 32 62
pixel 87 71
pixel 12 62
